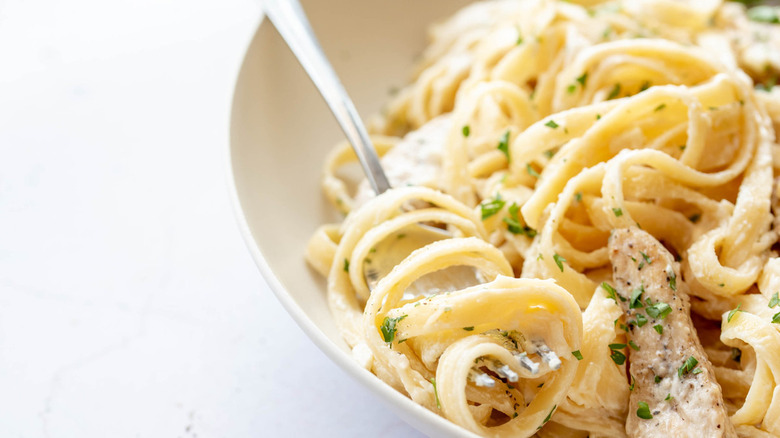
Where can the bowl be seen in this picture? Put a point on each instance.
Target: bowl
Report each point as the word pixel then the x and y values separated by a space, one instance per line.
pixel 281 131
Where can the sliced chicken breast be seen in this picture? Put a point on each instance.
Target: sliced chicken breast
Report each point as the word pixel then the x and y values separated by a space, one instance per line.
pixel 675 393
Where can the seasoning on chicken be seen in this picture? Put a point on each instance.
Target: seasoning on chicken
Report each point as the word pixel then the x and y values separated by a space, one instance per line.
pixel 675 392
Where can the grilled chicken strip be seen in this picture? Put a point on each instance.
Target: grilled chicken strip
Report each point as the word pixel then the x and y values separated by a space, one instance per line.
pixel 675 393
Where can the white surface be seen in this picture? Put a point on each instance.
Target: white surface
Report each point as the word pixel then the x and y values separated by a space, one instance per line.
pixel 129 306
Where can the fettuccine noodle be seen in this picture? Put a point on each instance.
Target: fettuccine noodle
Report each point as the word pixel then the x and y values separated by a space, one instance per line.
pixel 538 127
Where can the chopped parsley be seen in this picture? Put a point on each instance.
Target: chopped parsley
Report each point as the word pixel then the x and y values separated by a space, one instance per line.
pixel 633 345
pixel 635 301
pixel 577 354
pixel 647 259
pixel 513 222
pixel 559 261
pixel 583 79
pixel 660 107
pixel 733 312
pixel 549 153
pixel 776 318
pixel 611 292
pixel 644 411
pixel 531 171
pixel 645 86
pixel 658 379
pixel 547 418
pixel 659 310
pixel 659 328
pixel 618 357
pixel 578 196
pixel 551 124
pixel 346 265
pixel 697 371
pixel 571 89
pixel 633 382
pixel 466 130
pixel 672 278
pixel 668 396
pixel 435 392
pixel 687 366
pixel 640 320
pixel 775 300
pixel 468 329
pixel 503 145
pixel 618 212
pixel 492 207
pixel 615 92
pixel 388 327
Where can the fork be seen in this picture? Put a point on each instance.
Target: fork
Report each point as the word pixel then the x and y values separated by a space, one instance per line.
pixel 290 21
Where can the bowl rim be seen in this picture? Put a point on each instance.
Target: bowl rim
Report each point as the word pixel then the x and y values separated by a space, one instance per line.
pixel 414 414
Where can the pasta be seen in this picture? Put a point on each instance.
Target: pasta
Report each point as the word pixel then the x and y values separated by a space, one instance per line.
pixel 533 130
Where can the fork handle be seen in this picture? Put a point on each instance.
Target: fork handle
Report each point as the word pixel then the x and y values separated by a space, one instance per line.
pixel 291 23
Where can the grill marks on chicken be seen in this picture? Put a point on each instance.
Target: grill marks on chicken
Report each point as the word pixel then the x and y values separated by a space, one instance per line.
pixel 675 392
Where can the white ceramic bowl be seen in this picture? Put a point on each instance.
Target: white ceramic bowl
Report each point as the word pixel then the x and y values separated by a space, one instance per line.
pixel 281 131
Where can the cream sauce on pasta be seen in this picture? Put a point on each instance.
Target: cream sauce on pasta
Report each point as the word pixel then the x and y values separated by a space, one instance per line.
pixel 554 123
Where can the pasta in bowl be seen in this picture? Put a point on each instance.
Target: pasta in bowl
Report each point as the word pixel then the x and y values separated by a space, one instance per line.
pixel 607 169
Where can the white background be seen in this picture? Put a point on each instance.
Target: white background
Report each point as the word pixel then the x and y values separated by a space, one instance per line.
pixel 129 306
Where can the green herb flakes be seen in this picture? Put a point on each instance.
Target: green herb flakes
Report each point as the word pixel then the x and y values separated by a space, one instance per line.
pixel 531 171
pixel 583 79
pixel 513 222
pixel 388 327
pixel 577 354
pixel 615 92
pixel 659 328
pixel 611 292
pixel 659 310
pixel 435 392
pixel 559 261
pixel 733 312
pixel 644 411
pixel 503 145
pixel 466 130
pixel 489 208
pixel 635 301
pixel 551 124
pixel 687 366
pixel 547 418
pixel 618 357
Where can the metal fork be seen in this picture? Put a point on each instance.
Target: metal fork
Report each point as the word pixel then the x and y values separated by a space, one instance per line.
pixel 290 21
